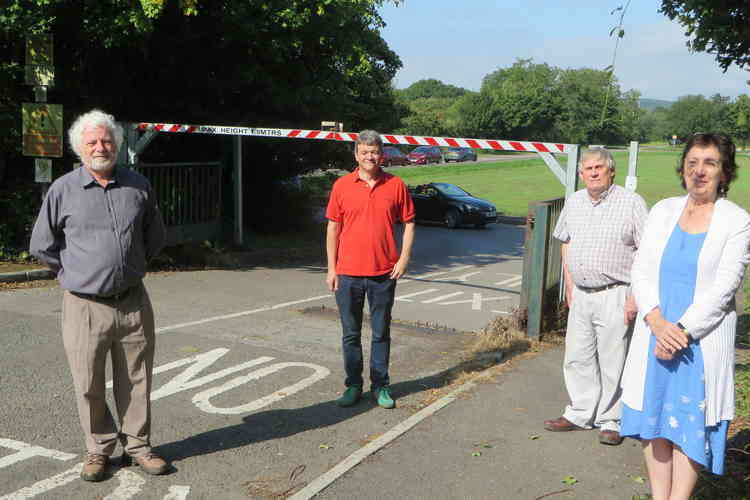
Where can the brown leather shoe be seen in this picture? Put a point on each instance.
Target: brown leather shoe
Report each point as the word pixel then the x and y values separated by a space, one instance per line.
pixel 93 467
pixel 151 463
pixel 561 424
pixel 612 438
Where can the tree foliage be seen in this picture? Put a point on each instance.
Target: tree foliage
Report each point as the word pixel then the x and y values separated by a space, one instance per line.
pixel 270 63
pixel 430 88
pixel 719 27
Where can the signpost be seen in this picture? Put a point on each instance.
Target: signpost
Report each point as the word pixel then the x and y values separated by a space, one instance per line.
pixel 42 123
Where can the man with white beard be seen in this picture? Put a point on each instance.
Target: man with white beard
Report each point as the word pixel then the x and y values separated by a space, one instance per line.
pixel 97 228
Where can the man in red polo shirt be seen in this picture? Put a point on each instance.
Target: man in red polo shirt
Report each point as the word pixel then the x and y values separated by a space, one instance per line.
pixel 364 260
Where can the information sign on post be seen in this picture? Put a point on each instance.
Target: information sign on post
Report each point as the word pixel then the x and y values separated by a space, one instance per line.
pixel 42 128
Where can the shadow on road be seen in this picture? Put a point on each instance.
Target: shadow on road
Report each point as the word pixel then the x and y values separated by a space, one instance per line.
pixel 282 423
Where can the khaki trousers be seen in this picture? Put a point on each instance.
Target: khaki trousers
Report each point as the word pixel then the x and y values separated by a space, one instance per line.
pixel 596 342
pixel 125 330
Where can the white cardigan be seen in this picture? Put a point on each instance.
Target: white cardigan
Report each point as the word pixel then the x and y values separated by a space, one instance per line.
pixel 711 318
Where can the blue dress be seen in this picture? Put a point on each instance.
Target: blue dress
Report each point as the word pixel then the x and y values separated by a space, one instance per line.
pixel 674 396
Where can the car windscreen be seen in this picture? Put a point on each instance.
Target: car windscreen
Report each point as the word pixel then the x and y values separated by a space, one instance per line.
pixel 421 149
pixel 456 150
pixel 450 189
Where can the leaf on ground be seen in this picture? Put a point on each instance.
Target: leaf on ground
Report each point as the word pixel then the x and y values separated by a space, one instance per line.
pixel 535 436
pixel 638 479
pixel 476 454
pixel 325 446
pixel 569 480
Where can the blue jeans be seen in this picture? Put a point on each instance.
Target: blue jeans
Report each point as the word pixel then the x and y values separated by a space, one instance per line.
pixel 350 298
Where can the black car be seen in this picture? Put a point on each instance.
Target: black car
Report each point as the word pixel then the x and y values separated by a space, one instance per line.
pixel 451 205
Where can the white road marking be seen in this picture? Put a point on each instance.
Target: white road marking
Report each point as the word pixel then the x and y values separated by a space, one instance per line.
pixel 437 273
pixel 177 493
pixel 501 312
pixel 130 485
pixel 325 480
pixel 241 313
pixel 476 302
pixel 463 277
pixel 201 400
pixel 517 280
pixel 24 451
pixel 471 301
pixel 407 297
pixel 442 297
pixel 45 485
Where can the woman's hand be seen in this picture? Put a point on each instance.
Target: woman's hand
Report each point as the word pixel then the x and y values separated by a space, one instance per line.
pixel 662 354
pixel 669 337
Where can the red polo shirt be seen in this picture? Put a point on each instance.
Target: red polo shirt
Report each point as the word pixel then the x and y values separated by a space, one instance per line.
pixel 367 244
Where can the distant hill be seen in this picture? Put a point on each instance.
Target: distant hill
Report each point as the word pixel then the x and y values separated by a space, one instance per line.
pixel 652 104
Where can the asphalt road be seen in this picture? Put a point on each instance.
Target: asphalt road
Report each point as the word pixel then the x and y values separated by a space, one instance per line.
pixel 247 367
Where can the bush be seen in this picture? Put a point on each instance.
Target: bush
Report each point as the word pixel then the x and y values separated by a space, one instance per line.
pixel 19 205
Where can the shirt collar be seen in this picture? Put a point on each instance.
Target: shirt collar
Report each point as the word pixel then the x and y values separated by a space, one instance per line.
pixel 88 180
pixel 602 196
pixel 381 177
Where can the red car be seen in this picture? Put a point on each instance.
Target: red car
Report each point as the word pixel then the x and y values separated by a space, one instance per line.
pixel 393 156
pixel 422 155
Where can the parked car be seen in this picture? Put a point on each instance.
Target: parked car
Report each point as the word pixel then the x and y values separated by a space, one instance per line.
pixel 393 156
pixel 449 204
pixel 459 154
pixel 422 155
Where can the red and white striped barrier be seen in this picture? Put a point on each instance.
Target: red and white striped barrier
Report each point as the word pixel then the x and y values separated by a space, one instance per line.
pixel 415 140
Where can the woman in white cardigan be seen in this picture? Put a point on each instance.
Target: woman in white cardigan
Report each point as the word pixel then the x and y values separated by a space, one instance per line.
pixel 678 381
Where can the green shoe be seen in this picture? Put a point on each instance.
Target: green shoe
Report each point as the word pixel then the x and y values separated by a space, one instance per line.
pixel 350 397
pixel 383 397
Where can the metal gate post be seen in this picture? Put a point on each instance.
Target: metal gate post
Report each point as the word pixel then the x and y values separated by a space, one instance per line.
pixel 571 171
pixel 538 270
pixel 631 181
pixel 238 224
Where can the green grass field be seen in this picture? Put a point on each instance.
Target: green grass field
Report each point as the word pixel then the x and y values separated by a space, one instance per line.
pixel 511 185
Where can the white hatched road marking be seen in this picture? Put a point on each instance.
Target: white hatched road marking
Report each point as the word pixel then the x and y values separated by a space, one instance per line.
pixel 25 451
pixel 463 277
pixel 516 280
pixel 442 297
pixel 407 297
pixel 471 301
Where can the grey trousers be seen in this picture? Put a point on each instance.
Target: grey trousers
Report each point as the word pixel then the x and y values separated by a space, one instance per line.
pixel 124 330
pixel 596 342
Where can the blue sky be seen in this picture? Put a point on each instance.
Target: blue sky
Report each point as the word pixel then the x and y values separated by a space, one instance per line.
pixel 461 41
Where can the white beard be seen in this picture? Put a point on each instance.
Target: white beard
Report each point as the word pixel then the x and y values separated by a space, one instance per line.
pixel 101 164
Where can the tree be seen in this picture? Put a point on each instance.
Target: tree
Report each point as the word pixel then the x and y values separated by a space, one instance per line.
pixel 430 88
pixel 426 116
pixel 740 115
pixel 474 115
pixel 580 97
pixel 695 113
pixel 521 98
pixel 719 27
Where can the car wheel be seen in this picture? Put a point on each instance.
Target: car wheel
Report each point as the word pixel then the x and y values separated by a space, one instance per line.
pixel 452 218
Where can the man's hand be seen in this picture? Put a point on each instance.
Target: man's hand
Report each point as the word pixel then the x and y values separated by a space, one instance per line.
pixel 398 270
pixel 669 336
pixel 631 309
pixel 332 280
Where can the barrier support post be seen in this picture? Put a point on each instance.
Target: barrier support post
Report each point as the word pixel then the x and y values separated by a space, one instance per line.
pixel 238 223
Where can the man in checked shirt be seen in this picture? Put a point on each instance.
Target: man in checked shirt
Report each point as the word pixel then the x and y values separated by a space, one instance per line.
pixel 97 228
pixel 600 230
